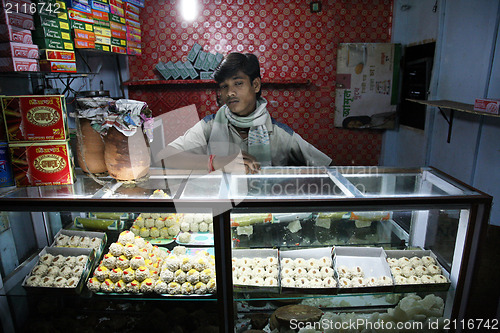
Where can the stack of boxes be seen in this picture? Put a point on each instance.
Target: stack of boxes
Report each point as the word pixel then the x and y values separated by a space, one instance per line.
pixel 111 27
pixel 200 64
pixel 118 27
pixel 17 51
pixel 54 38
pixel 133 29
pixel 37 134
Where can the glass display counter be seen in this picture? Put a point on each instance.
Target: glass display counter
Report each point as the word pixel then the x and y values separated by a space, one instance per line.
pixel 365 218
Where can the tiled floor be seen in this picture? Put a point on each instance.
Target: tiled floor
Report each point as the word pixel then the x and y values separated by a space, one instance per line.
pixel 485 292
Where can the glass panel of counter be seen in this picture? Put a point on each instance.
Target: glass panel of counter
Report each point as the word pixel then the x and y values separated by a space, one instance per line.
pixel 387 182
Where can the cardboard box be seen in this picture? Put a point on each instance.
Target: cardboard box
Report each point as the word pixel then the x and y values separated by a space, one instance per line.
pixel 42 163
pixel 83 34
pixel 132 16
pixel 35 118
pixel 84 44
pixel 117 10
pixel 133 23
pixel 80 16
pixel 97 14
pixel 117 26
pixel 19 20
pixel 133 38
pixel 49 43
pixel 120 34
pixel 58 66
pixel 102 40
pixel 100 5
pixel 132 8
pixel 487 105
pixel 133 51
pixel 81 5
pixel 46 22
pixel 81 25
pixel 57 55
pixel 63 25
pixel 118 49
pixel 47 32
pixel 66 36
pixel 101 23
pixel 117 18
pixel 18 65
pixel 133 30
pixel 15 34
pixel 13 49
pixel 103 47
pixel 100 31
pixel 138 3
pixel 118 42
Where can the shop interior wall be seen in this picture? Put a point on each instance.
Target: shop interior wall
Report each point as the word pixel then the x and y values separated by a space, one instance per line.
pixel 292 44
pixel 466 66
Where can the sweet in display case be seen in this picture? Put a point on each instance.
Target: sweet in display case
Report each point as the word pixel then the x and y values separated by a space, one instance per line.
pixel 283 250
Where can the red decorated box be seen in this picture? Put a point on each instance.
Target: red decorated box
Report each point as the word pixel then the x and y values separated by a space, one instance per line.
pixel 41 163
pixel 35 118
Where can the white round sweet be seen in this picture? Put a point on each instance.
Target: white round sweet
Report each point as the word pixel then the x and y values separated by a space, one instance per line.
pixel 426 279
pixel 358 282
pixel 344 282
pixel 329 282
pixel 357 271
pixel 416 261
pixel 344 272
pixel 399 279
pixel 408 271
pixel 325 261
pixel 434 269
pixel 396 271
pixel 404 262
pixel 428 260
pixel 385 281
pixel 326 272
pixel 393 262
pixel 288 282
pixel 184 237
pixel 288 262
pixel 439 279
pixel 413 280
pixel 301 283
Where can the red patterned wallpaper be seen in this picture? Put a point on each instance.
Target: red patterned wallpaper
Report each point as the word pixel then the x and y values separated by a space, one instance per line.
pixel 290 42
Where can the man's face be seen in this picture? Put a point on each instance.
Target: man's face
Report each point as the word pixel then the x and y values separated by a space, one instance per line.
pixel 239 94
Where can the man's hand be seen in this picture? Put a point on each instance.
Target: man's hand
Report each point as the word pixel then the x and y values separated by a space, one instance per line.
pixel 241 163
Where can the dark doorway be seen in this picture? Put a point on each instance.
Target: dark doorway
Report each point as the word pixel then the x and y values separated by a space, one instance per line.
pixel 416 77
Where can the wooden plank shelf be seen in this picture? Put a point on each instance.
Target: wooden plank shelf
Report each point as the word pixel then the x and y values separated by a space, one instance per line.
pixel 265 82
pixel 452 106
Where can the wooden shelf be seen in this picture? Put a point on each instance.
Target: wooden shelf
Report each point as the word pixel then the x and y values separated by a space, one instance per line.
pixel 452 106
pixel 265 82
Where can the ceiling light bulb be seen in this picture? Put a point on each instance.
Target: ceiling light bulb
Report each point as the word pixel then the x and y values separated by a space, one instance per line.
pixel 189 9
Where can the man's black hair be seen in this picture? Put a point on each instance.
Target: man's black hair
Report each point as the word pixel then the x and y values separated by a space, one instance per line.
pixel 235 62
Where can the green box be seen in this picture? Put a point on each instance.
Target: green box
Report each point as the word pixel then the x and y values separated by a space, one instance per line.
pixel 117 19
pixel 101 23
pixel 46 22
pixel 118 42
pixel 49 43
pixel 103 47
pixel 45 32
pixel 63 25
pixel 81 25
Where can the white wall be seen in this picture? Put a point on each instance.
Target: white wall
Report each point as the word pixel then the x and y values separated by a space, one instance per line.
pixel 466 66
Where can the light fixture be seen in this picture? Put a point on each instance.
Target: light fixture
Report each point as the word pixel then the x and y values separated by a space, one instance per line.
pixel 189 9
